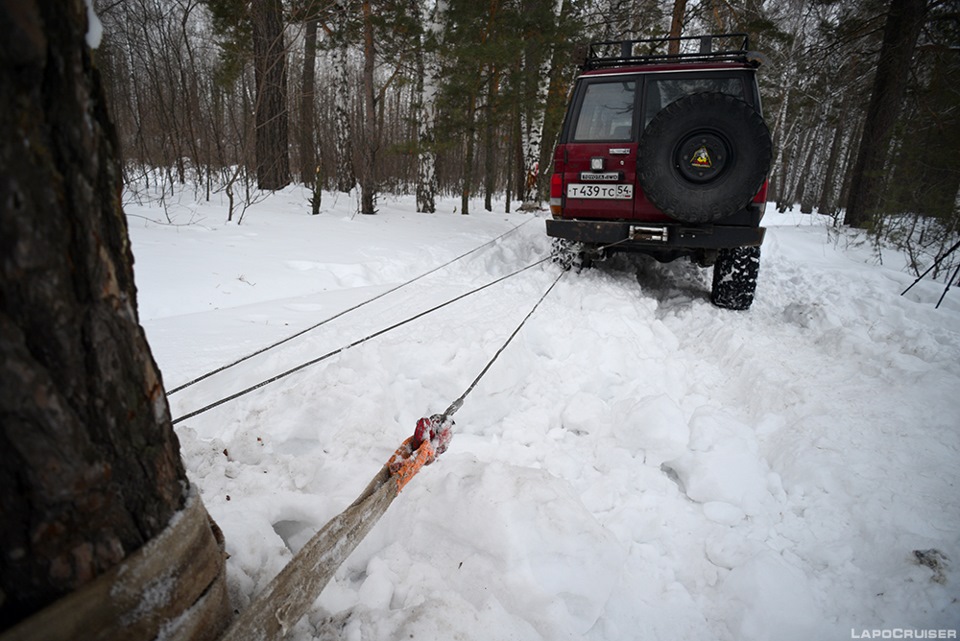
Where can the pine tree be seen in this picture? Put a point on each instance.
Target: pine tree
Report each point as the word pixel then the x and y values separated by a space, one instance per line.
pixel 272 118
pixel 904 20
pixel 89 461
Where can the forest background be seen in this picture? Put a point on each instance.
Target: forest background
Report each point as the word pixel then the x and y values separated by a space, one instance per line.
pixel 466 97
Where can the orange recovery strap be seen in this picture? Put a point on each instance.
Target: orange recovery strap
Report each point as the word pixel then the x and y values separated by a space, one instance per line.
pixel 287 598
pixel 429 441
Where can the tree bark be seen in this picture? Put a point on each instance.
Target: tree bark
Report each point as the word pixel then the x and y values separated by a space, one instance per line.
pixel 371 135
pixel 424 98
pixel 532 132
pixel 489 133
pixel 932 137
pixel 89 462
pixel 308 145
pixel 803 193
pixel 272 118
pixel 826 202
pixel 904 21
pixel 555 104
pixel 536 115
pixel 466 180
pixel 676 26
pixel 343 121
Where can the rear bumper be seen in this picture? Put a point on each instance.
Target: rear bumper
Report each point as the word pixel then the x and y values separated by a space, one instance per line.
pixel 679 236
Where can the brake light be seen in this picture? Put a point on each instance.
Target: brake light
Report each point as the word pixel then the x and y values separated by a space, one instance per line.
pixel 761 198
pixel 556 183
pixel 556 194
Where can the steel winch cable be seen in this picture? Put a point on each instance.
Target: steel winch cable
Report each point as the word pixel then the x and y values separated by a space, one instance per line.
pixel 360 341
pixel 457 404
pixel 339 314
pixel 288 596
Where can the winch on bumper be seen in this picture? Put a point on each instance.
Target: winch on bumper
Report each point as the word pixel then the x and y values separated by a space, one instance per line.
pixel 649 236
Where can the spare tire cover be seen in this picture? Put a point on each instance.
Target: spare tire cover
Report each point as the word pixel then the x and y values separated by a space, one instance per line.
pixel 704 157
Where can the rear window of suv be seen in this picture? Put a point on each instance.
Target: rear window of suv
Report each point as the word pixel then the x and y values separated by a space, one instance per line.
pixel 606 111
pixel 664 91
pixel 607 106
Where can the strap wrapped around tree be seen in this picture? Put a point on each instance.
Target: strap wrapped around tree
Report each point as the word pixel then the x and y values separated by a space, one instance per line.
pixel 145 597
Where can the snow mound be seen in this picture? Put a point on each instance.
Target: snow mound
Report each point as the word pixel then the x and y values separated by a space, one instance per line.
pixel 723 465
pixel 526 547
pixel 773 600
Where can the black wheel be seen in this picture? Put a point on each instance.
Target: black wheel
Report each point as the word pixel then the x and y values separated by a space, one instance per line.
pixel 704 157
pixel 735 277
pixel 567 254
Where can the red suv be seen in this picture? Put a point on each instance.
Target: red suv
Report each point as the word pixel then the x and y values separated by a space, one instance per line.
pixel 666 154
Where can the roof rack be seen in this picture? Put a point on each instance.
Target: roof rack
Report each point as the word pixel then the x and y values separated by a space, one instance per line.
pixel 731 47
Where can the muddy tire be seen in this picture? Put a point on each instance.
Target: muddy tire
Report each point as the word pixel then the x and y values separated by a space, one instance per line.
pixel 735 277
pixel 704 157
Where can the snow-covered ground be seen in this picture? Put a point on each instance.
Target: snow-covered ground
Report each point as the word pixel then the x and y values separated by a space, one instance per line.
pixel 636 465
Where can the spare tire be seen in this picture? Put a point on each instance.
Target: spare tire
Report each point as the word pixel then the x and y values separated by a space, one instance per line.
pixel 704 157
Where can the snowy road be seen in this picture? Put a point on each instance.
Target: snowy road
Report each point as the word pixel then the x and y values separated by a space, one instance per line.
pixel 637 464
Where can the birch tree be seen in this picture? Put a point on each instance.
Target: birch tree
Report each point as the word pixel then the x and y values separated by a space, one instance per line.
pixel 538 59
pixel 343 89
pixel 424 101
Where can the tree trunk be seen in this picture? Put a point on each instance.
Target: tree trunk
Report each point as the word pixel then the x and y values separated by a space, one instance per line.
pixel 848 158
pixel 371 134
pixel 424 97
pixel 308 144
pixel 556 101
pixel 270 65
pixel 519 171
pixel 931 138
pixel 826 202
pixel 532 132
pixel 343 122
pixel 904 21
pixel 426 157
pixel 676 26
pixel 539 60
pixel 89 462
pixel 489 140
pixel 466 181
pixel 804 192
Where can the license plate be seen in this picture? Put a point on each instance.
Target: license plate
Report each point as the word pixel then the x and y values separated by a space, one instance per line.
pixel 609 192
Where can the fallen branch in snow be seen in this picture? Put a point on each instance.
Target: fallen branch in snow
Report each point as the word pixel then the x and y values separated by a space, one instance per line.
pixel 190 223
pixel 936 561
pixel 933 266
